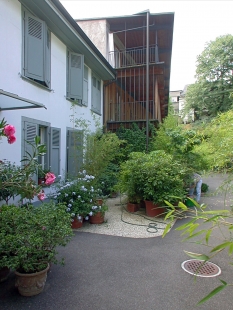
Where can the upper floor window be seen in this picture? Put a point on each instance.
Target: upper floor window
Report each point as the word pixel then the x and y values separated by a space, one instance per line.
pixel 75 68
pixel 36 50
pixel 96 94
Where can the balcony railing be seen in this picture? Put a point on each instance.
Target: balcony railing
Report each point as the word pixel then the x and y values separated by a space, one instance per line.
pixel 133 57
pixel 130 111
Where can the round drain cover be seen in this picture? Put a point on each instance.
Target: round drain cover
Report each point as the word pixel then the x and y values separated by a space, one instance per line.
pixel 200 268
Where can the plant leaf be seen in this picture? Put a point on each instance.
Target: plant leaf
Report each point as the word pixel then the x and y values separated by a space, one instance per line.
pixel 197 256
pixel 166 230
pixel 222 246
pixel 214 292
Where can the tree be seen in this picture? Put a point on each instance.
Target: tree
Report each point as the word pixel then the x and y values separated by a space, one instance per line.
pixel 214 76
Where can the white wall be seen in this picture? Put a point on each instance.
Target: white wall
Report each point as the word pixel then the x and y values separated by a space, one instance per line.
pixel 58 108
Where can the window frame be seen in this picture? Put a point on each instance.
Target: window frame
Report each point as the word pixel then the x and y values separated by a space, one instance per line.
pixel 44 81
pixel 96 105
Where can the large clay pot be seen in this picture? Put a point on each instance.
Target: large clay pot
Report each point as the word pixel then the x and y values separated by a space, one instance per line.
pixel 153 210
pixel 4 273
pixel 77 223
pixel 97 218
pixel 132 207
pixel 30 284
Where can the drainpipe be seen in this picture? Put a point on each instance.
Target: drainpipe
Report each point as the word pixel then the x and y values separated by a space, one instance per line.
pixel 147 79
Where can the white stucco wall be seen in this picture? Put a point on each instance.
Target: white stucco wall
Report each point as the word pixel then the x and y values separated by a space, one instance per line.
pixel 97 31
pixel 58 108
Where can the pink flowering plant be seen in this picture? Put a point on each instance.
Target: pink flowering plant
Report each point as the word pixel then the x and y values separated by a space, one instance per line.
pixel 7 131
pixel 79 195
pixel 18 180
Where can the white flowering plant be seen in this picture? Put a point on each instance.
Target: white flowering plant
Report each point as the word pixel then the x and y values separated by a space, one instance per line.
pixel 98 208
pixel 79 195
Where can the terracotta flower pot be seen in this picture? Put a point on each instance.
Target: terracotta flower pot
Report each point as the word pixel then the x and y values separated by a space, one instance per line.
pixel 41 181
pixel 153 210
pixel 30 284
pixel 97 218
pixel 132 207
pixel 99 201
pixel 77 223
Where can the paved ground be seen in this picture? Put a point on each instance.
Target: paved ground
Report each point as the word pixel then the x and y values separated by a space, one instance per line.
pixel 104 272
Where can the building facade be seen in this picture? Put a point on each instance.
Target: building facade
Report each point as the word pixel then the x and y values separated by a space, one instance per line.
pixel 139 47
pixel 51 74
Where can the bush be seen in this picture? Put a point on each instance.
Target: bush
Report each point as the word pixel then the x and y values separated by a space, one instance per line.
pixel 29 235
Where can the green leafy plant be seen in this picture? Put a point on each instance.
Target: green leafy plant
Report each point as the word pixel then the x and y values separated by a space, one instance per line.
pixel 204 187
pixel 30 235
pixel 203 221
pixel 78 195
pixel 108 179
pixel 129 176
pixel 18 180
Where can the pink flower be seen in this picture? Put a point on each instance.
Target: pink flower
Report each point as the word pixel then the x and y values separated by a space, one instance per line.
pixel 9 130
pixel 43 227
pixel 41 196
pixel 49 178
pixel 11 139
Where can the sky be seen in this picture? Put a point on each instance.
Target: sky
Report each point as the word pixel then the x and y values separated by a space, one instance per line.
pixel 196 23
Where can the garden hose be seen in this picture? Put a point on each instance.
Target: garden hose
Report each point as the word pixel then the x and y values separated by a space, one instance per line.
pixel 151 227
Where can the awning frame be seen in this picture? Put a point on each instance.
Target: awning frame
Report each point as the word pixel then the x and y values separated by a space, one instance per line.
pixel 30 103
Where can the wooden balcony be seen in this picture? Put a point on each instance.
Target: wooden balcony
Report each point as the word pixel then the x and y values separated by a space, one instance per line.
pixel 126 113
pixel 132 57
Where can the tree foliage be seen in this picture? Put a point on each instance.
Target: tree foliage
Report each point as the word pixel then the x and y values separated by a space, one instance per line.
pixel 211 92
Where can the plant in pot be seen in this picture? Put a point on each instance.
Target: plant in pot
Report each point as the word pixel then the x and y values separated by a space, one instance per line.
pixel 29 237
pixel 128 182
pixel 159 177
pixel 42 172
pixel 97 213
pixel 79 196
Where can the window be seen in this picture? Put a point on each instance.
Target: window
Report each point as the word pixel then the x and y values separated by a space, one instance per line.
pixel 96 94
pixel 74 155
pixel 36 49
pixel 49 136
pixel 75 68
pixel 85 87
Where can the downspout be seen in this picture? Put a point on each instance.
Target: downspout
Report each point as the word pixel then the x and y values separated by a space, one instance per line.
pixel 147 80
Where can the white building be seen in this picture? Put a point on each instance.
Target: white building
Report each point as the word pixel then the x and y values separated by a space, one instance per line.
pixel 50 70
pixel 178 102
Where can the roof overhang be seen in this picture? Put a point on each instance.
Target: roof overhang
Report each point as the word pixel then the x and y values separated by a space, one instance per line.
pixel 9 101
pixel 68 31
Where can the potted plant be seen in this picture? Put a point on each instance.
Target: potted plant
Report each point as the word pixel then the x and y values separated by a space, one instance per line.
pixel 79 196
pixel 128 182
pixel 97 213
pixel 29 237
pixel 157 177
pixel 42 172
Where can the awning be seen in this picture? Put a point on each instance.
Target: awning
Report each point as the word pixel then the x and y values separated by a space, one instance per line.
pixel 9 101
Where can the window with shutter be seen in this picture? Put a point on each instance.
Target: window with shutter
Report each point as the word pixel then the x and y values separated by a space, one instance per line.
pixel 96 94
pixel 85 87
pixel 75 76
pixel 37 50
pixel 74 152
pixel 55 138
pixel 33 128
pixel 30 131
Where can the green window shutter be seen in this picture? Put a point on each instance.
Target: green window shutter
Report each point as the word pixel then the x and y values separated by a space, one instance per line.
pixel 47 57
pixel 85 87
pixel 55 142
pixel 74 152
pixel 30 132
pixel 75 76
pixel 96 95
pixel 34 47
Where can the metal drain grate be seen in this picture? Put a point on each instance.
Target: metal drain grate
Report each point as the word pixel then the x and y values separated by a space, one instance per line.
pixel 201 268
